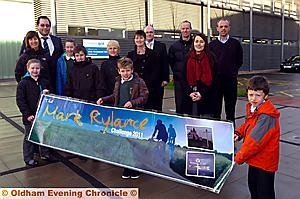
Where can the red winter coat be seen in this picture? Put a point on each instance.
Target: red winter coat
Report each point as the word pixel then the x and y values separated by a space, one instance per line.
pixel 261 132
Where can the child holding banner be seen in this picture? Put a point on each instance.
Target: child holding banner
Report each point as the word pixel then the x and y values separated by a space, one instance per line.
pixel 28 93
pixel 130 92
pixel 83 79
pixel 261 132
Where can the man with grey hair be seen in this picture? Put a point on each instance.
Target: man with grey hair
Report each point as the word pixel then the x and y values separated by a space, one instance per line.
pixel 163 69
pixel 177 58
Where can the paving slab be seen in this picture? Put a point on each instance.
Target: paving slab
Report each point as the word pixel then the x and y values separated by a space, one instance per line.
pixel 289 167
pixel 74 173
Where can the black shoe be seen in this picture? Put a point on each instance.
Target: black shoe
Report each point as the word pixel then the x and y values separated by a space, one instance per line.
pixel 49 158
pixel 135 174
pixel 126 174
pixel 31 163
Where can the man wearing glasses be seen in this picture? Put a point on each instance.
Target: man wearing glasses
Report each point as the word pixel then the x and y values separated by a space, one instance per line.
pixel 51 44
pixel 162 72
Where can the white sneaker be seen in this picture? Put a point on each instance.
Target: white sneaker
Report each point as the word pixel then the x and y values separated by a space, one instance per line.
pixel 135 177
pixel 125 176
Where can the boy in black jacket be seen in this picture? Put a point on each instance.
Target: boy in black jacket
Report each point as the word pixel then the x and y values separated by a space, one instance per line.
pixel 28 93
pixel 83 80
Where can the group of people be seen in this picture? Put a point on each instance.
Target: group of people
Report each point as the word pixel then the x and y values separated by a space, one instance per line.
pixel 35 73
pixel 204 74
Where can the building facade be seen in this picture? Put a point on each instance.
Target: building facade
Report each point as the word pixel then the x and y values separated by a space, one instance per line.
pixel 268 29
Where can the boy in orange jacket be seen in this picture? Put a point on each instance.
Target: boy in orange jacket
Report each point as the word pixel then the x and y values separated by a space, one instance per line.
pixel 261 132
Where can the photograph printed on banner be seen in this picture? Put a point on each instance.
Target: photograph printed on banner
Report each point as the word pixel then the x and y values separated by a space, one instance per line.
pixel 200 164
pixel 199 137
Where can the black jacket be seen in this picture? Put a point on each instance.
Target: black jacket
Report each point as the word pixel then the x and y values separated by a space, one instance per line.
pixel 108 74
pixel 177 57
pixel 147 67
pixel 28 94
pixel 58 51
pixel 160 50
pixel 83 81
pixel 41 55
pixel 229 57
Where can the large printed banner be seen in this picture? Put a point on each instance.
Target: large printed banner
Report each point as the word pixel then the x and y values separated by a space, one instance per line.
pixel 197 152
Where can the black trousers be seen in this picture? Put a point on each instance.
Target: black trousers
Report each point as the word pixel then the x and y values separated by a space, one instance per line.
pixel 155 99
pixel 182 101
pixel 30 148
pixel 226 87
pixel 130 172
pixel 261 183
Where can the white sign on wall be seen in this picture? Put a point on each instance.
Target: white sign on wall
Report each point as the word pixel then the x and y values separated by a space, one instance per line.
pixel 96 49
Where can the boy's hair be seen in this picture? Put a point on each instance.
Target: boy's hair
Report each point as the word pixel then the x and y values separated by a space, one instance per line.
pixel 124 62
pixel 33 61
pixel 77 49
pixel 29 35
pixel 258 82
pixel 70 40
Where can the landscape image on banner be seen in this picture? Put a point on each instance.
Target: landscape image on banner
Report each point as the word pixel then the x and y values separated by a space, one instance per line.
pixel 199 137
pixel 200 164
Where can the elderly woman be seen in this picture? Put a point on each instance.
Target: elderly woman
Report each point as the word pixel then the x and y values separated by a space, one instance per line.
pixel 33 50
pixel 108 70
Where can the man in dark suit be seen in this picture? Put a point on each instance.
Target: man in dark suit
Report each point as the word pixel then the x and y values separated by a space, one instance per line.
pixel 52 45
pixel 161 53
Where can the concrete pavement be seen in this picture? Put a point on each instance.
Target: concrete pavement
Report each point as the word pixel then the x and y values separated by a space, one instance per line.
pixel 71 172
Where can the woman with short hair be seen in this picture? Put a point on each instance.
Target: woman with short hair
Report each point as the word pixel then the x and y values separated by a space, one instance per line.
pixel 108 69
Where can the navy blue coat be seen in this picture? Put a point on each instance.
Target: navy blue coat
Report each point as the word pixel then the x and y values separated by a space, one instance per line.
pixel 28 95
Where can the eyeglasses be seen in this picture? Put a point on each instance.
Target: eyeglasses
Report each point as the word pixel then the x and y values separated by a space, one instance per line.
pixel 43 25
pixel 149 32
